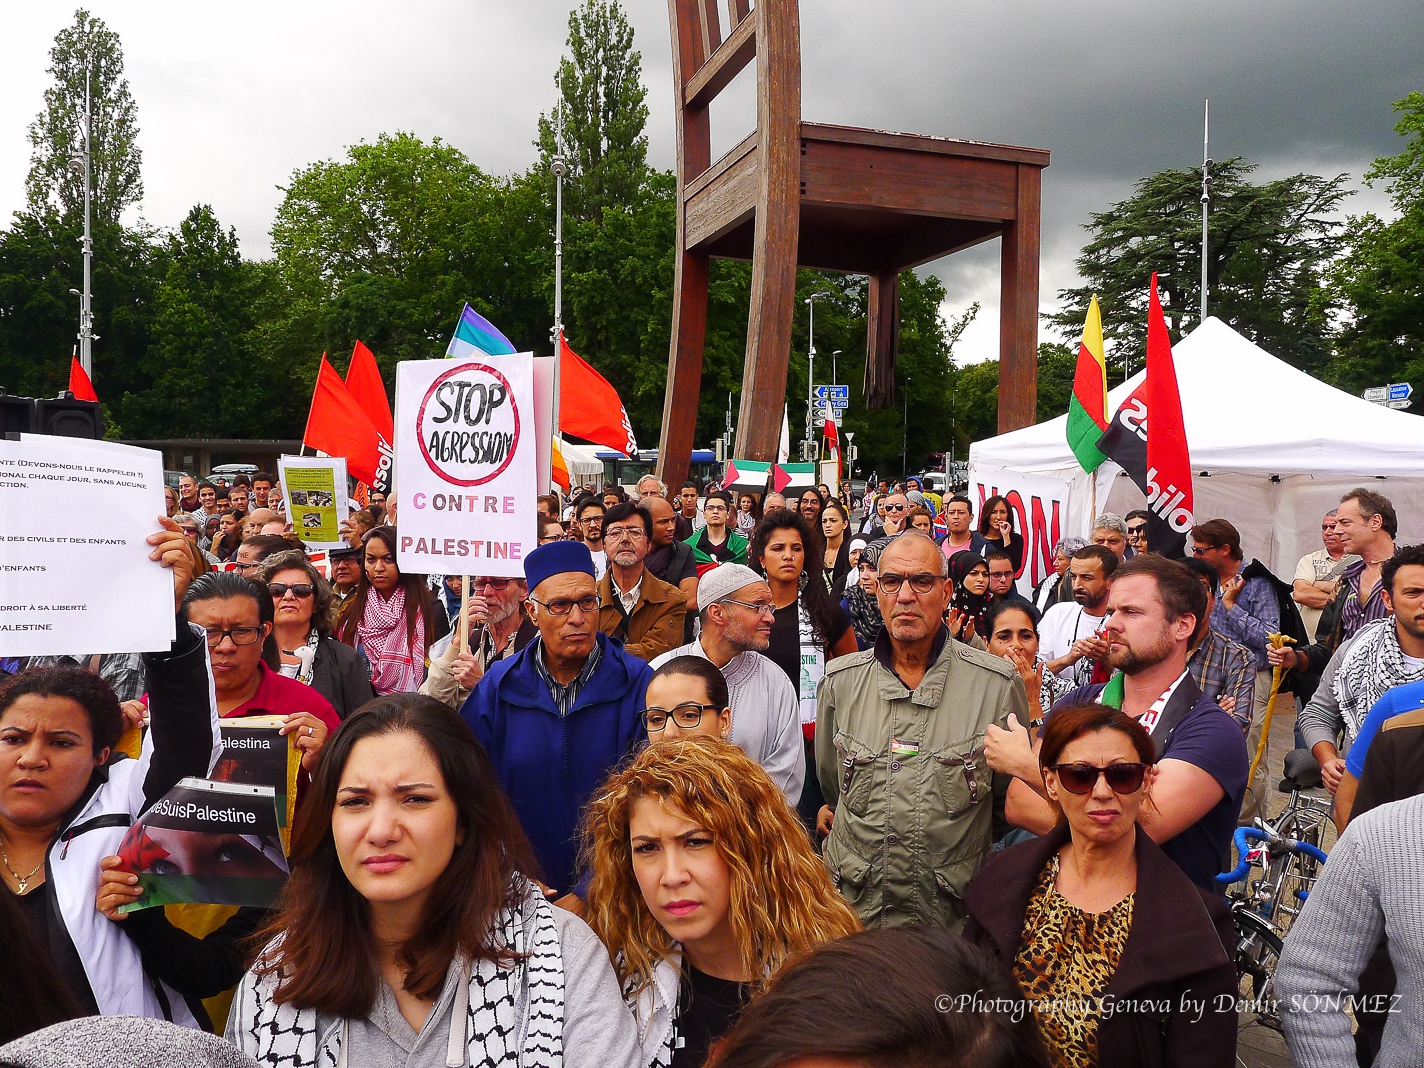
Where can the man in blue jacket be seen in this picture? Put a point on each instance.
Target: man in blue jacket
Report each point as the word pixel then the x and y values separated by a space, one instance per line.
pixel 557 718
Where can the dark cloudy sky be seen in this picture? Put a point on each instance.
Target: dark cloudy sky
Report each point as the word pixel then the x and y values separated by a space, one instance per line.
pixel 233 98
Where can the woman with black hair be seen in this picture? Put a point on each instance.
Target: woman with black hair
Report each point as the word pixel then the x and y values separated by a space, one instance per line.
pixel 969 574
pixel 67 798
pixel 392 619
pixel 809 628
pixel 835 531
pixel 410 931
pixel 996 523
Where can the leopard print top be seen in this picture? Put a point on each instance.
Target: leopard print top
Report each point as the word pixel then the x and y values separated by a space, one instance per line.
pixel 1066 960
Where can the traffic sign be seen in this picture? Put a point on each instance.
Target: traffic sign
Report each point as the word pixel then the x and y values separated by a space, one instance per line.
pixel 839 396
pixel 1376 394
pixel 1399 391
pixel 1398 403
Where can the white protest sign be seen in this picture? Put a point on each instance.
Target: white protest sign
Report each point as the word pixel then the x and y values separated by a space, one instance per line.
pixel 466 465
pixel 1039 512
pixel 75 576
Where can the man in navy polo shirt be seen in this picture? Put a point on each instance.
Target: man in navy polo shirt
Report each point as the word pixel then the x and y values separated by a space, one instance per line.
pixel 1155 608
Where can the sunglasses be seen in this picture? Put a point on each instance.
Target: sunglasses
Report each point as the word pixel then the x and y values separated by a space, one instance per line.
pixel 495 584
pixel 1081 778
pixel 299 589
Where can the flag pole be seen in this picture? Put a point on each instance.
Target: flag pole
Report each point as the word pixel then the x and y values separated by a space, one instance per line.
pixel 1206 180
pixel 558 168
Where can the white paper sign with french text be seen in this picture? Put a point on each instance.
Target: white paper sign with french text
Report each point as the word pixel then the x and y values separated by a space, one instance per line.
pixel 75 577
pixel 466 466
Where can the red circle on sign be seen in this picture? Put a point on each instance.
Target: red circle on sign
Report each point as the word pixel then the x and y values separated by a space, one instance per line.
pixel 420 420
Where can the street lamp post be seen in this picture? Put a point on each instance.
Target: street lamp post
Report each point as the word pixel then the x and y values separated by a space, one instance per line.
pixel 811 372
pixel 81 164
pixel 558 169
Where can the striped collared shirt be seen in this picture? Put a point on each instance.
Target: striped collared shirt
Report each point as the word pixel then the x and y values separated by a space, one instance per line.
pixel 565 696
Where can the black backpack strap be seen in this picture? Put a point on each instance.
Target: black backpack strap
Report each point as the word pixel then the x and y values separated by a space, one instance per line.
pixel 109 819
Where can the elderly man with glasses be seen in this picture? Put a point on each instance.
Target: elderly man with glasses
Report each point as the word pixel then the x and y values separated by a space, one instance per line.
pixel 636 607
pixel 737 612
pixel 558 716
pixel 499 628
pixel 912 807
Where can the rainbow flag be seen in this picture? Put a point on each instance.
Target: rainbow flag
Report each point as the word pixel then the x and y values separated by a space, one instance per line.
pixel 1088 406
pixel 477 336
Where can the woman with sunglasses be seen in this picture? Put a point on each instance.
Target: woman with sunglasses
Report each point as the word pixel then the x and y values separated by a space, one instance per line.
pixel 1095 913
pixel 392 619
pixel 305 613
pixel 703 886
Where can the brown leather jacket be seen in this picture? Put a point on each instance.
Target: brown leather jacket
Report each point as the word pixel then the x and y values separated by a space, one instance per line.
pixel 655 624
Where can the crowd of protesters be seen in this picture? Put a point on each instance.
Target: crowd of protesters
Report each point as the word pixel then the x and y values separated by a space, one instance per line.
pixel 728 778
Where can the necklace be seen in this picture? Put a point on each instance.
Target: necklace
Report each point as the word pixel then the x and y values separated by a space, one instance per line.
pixel 22 882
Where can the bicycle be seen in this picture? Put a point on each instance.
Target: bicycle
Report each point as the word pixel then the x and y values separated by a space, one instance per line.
pixel 1262 912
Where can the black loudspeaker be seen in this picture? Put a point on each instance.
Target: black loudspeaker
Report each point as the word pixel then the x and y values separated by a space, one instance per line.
pixel 62 416
pixel 68 418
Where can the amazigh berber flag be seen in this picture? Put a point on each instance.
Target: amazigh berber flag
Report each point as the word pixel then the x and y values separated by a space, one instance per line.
pixel 364 382
pixel 1088 406
pixel 1154 452
pixel 79 383
pixel 589 407
pixel 338 426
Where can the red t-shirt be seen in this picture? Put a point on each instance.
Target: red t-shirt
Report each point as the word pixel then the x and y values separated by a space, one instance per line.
pixel 278 695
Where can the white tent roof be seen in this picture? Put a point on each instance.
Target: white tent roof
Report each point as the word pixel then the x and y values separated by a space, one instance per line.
pixel 1266 441
pixel 581 459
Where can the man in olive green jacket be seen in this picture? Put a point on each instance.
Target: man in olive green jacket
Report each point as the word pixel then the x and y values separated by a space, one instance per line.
pixel 912 805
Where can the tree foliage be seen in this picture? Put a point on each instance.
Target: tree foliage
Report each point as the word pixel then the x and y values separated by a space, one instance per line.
pixel 57 134
pixel 1269 251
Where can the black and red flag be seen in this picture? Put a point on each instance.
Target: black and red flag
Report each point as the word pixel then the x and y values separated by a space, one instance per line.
pixel 1155 456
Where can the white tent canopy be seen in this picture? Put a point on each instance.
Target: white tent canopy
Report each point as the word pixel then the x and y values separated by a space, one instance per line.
pixel 1272 449
pixel 581 460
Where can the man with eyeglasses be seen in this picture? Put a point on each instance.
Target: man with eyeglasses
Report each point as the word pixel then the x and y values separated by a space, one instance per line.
pixel 589 512
pixel 1137 530
pixel 559 715
pixel 737 613
pixel 636 607
pixel 715 543
pixel 345 571
pixel 499 628
pixel 1156 609
pixel 911 807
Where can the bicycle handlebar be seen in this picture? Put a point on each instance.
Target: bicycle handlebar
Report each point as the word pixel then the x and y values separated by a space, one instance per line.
pixel 1245 834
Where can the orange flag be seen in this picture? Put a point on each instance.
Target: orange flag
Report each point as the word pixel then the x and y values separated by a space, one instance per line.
pixel 363 379
pixel 559 470
pixel 79 383
pixel 338 426
pixel 589 407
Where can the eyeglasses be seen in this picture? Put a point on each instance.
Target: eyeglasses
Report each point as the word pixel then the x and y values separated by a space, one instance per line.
pixel 562 606
pixel 688 715
pixel 191 532
pixel 299 589
pixel 921 583
pixel 622 533
pixel 1081 778
pixel 496 584
pixel 761 608
pixel 1137 530
pixel 243 569
pixel 1202 550
pixel 239 636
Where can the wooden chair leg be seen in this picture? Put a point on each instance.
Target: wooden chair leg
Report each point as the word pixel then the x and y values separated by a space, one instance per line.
pixel 689 331
pixel 882 340
pixel 1018 308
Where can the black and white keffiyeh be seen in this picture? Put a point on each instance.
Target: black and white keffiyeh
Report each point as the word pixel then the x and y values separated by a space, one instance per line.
pixel 1374 663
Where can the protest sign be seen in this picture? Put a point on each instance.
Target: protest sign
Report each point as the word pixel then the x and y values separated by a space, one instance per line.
pixel 466 465
pixel 254 754
pixel 315 491
pixel 210 842
pixel 1040 512
pixel 73 511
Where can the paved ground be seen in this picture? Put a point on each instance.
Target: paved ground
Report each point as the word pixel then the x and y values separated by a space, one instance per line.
pixel 1258 1046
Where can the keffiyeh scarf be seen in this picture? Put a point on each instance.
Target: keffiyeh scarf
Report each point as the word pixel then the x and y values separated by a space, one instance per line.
pixel 1374 664
pixel 397 662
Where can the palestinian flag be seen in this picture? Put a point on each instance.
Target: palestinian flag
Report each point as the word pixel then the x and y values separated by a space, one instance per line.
pixel 1088 407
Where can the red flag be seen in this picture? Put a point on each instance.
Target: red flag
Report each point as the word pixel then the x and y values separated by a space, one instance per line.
pixel 79 383
pixel 1169 463
pixel 589 407
pixel 363 379
pixel 833 443
pixel 338 426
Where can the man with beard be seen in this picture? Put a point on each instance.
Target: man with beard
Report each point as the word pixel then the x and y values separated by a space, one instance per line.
pixel 1156 607
pixel 737 613
pixel 669 559
pixel 1068 635
pixel 498 629
pixel 638 608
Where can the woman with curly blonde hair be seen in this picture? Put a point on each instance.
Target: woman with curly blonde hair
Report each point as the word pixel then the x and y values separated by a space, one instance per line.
pixel 704 885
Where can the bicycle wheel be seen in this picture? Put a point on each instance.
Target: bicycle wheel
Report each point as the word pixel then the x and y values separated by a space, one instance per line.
pixel 1258 948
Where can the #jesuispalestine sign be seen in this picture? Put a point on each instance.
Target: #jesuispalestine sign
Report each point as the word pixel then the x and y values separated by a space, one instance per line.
pixel 465 465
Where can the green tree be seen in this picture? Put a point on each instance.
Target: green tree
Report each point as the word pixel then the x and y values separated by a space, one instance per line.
pixel 601 92
pixel 1382 278
pixel 1270 248
pixel 57 134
